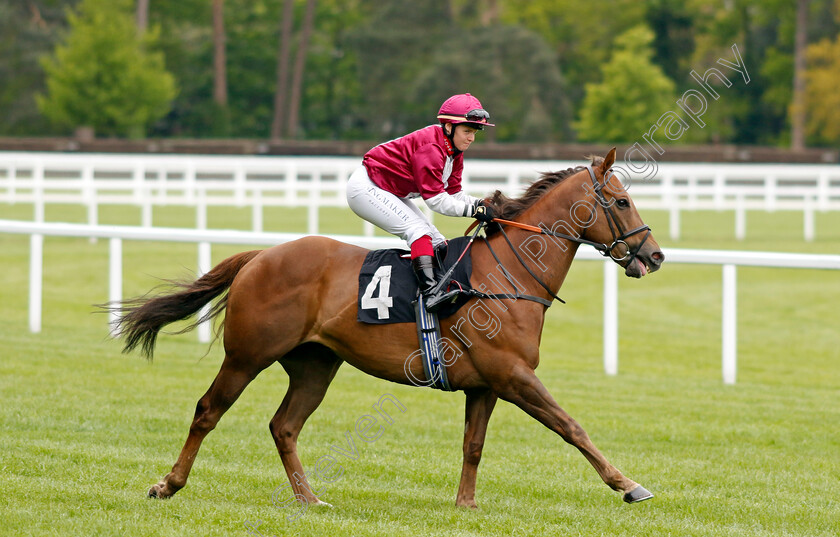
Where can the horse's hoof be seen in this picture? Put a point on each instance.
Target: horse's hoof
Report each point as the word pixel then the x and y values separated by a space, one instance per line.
pixel 157 491
pixel 638 494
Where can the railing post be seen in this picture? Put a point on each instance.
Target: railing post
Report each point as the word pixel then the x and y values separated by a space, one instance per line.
pixel 740 218
pixel 610 318
pixel 314 202
pixel 808 216
pixel 257 210
pixel 38 190
pixel 114 280
pixel 692 192
pixel 36 273
pixel 201 209
pixel 823 191
pixel 138 179
pixel 239 186
pixel 720 191
pixel 12 181
pixel 770 193
pixel 675 220
pixel 730 325
pixel 190 182
pixel 146 211
pixel 89 195
pixel 204 329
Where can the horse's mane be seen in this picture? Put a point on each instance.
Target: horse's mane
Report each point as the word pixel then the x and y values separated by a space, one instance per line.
pixel 509 208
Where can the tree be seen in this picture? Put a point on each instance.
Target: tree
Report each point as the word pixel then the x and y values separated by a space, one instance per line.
pixel 142 15
pixel 28 30
pixel 283 53
pixel 399 40
pixel 581 33
pixel 105 75
pixel 300 62
pixel 511 70
pixel 822 98
pixel 632 95
pixel 673 24
pixel 219 60
pixel 798 105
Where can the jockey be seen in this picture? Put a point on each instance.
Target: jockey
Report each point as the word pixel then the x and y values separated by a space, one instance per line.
pixel 426 163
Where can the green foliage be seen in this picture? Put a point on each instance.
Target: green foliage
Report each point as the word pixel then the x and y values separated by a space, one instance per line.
pixel 27 31
pixel 581 33
pixel 105 75
pixel 512 71
pixel 509 68
pixel 397 41
pixel 378 68
pixel 822 95
pixel 632 95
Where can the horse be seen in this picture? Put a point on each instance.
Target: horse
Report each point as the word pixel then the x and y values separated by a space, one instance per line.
pixel 293 304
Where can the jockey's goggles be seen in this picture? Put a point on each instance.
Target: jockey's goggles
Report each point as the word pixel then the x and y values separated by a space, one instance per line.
pixel 478 115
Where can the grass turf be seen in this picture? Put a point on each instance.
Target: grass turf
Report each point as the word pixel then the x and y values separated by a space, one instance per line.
pixel 85 431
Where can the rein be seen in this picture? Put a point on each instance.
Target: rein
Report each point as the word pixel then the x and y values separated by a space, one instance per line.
pixel 619 239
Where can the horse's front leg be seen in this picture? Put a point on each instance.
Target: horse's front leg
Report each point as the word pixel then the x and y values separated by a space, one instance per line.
pixel 479 406
pixel 525 390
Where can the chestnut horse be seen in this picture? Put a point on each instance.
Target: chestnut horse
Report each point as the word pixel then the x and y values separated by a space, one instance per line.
pixel 295 304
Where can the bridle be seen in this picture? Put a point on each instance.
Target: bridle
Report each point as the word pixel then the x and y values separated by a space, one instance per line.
pixel 619 240
pixel 618 234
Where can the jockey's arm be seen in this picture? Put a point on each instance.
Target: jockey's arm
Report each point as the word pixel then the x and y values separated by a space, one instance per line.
pixel 458 204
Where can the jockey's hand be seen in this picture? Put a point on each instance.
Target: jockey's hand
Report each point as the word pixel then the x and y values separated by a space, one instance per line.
pixel 482 212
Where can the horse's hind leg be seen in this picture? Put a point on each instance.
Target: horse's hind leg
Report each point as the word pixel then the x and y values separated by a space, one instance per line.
pixel 479 406
pixel 311 368
pixel 226 388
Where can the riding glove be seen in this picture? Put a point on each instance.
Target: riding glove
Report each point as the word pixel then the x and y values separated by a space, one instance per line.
pixel 483 212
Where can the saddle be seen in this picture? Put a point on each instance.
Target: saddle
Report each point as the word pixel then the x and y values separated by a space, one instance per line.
pixel 388 288
pixel 388 293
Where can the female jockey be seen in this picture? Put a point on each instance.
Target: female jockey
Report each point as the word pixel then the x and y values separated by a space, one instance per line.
pixel 425 163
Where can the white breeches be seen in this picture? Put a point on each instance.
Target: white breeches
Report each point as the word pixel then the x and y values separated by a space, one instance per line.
pixel 398 216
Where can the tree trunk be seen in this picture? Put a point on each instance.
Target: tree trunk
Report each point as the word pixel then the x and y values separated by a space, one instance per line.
pixel 142 15
pixel 490 15
pixel 300 63
pixel 280 93
pixel 220 96
pixel 798 108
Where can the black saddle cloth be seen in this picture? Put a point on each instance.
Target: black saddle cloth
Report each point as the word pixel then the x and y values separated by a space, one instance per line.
pixel 387 286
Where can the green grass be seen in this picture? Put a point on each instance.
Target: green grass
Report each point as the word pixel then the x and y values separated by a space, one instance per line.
pixel 84 431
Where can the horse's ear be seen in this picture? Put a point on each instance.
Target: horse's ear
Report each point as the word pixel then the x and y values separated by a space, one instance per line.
pixel 609 160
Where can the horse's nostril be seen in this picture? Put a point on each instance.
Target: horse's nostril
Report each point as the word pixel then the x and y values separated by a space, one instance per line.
pixel 658 257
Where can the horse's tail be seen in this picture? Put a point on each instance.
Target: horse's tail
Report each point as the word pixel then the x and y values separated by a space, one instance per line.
pixel 141 318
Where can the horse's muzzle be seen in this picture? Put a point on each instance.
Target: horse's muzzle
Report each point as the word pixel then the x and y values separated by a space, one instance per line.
pixel 643 262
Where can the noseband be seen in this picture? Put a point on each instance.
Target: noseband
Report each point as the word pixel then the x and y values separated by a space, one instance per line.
pixel 618 234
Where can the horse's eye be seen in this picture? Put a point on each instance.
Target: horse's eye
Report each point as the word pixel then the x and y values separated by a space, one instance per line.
pixel 623 203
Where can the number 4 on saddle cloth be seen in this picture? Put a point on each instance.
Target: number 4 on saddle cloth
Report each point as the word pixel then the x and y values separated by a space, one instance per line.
pixel 388 293
pixel 388 288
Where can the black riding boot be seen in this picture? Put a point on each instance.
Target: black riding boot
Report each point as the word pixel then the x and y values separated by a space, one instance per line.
pixel 424 269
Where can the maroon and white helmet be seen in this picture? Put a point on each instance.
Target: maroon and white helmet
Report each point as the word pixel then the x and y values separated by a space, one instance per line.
pixel 464 108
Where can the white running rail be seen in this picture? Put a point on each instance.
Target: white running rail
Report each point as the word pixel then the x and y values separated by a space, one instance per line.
pixel 149 181
pixel 729 260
